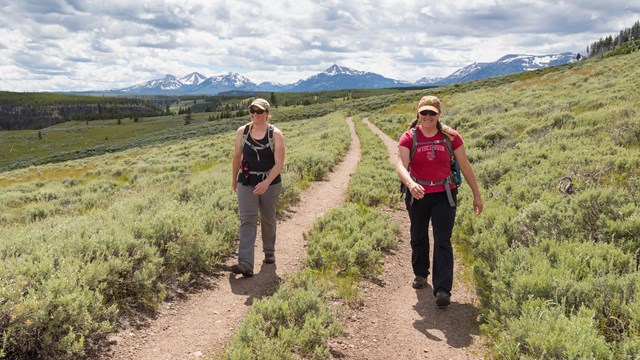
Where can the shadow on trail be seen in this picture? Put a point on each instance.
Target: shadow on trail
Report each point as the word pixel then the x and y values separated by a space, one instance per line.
pixel 263 283
pixel 457 321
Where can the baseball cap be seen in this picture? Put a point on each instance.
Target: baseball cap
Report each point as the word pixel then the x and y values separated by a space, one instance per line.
pixel 260 103
pixel 429 103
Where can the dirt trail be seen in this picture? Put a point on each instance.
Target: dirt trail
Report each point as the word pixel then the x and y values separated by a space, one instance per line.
pixel 203 323
pixel 396 321
pixel 399 322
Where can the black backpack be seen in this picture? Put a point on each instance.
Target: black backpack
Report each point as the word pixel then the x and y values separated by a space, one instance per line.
pixel 245 135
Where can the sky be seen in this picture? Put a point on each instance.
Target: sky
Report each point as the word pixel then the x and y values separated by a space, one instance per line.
pixel 78 45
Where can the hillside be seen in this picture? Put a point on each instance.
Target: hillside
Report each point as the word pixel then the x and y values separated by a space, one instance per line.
pixel 77 140
pixel 555 255
pixel 556 252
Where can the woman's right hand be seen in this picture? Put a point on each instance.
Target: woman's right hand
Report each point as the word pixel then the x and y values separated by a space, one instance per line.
pixel 416 190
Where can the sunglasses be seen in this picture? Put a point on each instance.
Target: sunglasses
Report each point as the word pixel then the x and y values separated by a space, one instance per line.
pixel 428 112
pixel 257 111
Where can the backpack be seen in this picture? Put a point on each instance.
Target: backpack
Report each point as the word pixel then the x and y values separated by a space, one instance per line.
pixel 271 143
pixel 455 176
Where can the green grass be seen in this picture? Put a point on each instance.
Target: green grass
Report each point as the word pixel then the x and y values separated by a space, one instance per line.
pixel 74 140
pixel 85 241
pixel 539 252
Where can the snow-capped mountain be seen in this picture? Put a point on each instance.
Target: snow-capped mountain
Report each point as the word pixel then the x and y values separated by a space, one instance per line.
pixel 508 64
pixel 168 84
pixel 427 81
pixel 195 78
pixel 339 77
pixel 226 82
pixel 194 83
pixel 335 70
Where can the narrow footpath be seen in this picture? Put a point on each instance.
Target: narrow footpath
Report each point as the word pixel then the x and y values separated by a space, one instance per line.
pixel 399 322
pixel 204 322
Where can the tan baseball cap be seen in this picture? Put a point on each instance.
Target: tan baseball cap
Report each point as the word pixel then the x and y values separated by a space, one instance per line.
pixel 260 103
pixel 429 103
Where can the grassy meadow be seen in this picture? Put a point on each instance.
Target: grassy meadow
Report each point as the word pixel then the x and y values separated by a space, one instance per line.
pixel 85 241
pixel 556 252
pixel 92 231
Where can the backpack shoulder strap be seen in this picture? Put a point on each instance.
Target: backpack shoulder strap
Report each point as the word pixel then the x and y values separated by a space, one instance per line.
pixel 414 145
pixel 414 138
pixel 245 133
pixel 449 147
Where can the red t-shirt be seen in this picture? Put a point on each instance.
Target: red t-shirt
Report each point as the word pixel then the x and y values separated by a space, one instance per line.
pixel 424 165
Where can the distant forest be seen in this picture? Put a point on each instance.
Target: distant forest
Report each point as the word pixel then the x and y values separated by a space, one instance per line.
pixel 34 111
pixel 22 111
pixel 626 42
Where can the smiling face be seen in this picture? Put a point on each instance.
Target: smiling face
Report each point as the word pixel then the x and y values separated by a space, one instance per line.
pixel 429 113
pixel 428 119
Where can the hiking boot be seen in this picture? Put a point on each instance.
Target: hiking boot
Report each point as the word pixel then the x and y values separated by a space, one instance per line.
pixel 442 298
pixel 419 282
pixel 269 258
pixel 242 269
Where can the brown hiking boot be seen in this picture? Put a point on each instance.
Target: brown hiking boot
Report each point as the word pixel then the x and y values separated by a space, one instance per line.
pixel 419 282
pixel 242 269
pixel 442 298
pixel 270 258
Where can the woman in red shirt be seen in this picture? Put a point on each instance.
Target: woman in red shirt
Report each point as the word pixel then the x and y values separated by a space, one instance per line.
pixel 426 174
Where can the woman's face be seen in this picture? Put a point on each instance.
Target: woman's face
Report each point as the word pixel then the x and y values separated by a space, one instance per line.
pixel 257 113
pixel 428 117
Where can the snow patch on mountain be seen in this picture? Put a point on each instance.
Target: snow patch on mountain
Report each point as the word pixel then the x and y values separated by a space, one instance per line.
pixel 168 83
pixel 341 70
pixel 194 78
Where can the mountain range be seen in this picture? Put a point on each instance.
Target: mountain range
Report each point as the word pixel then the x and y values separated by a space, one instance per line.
pixel 338 77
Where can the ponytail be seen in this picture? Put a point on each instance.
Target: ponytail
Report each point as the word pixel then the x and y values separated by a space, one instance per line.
pixel 414 122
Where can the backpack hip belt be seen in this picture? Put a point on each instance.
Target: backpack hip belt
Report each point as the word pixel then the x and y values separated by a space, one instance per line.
pixel 447 188
pixel 263 174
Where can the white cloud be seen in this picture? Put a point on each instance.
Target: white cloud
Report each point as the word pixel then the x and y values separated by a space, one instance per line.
pixel 97 44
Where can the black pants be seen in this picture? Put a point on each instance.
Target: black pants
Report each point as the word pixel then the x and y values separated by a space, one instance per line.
pixel 435 208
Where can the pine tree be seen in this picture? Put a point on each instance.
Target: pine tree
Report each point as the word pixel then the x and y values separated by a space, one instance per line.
pixel 188 118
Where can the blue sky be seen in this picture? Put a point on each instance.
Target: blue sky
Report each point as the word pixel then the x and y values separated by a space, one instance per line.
pixel 61 45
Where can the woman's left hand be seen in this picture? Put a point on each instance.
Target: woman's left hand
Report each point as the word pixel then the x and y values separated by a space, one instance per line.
pixel 261 188
pixel 478 205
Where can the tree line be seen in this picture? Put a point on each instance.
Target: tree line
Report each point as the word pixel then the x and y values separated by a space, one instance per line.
pixel 601 47
pixel 34 111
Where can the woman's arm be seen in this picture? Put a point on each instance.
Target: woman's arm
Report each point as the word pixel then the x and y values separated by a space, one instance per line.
pixel 237 159
pixel 417 191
